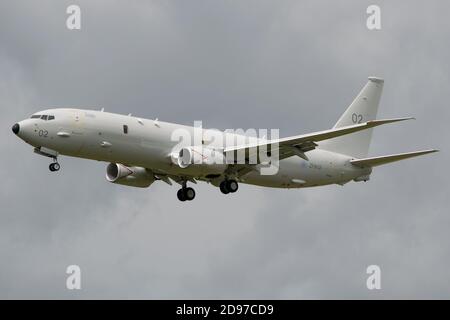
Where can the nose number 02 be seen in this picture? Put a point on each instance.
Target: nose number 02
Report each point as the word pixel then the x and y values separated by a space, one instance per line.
pixel 43 133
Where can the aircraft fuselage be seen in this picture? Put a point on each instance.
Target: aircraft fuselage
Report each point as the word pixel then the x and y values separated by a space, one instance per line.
pixel 133 141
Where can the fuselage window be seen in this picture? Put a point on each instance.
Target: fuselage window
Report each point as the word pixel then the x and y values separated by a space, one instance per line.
pixel 35 116
pixel 125 129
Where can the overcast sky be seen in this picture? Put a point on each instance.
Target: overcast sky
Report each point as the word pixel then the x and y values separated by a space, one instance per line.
pixel 293 65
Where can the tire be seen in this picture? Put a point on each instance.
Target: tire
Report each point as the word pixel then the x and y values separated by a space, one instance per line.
pixel 180 195
pixel 223 187
pixel 232 186
pixel 189 194
pixel 56 166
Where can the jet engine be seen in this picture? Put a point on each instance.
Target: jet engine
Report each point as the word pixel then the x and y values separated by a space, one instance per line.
pixel 129 176
pixel 199 156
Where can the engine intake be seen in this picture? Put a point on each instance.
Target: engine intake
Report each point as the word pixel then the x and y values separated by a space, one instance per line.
pixel 129 176
pixel 200 157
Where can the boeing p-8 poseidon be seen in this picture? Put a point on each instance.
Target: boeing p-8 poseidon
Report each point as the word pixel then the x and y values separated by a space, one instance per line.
pixel 141 151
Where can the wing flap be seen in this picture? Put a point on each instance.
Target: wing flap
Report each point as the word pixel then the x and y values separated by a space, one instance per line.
pixel 377 161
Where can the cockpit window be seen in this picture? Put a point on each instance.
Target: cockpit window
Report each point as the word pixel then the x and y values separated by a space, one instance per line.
pixel 42 116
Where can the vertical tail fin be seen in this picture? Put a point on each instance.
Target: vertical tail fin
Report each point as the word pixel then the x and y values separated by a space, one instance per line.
pixel 362 109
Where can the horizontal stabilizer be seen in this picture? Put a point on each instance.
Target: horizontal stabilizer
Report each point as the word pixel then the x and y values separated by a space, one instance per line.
pixel 377 161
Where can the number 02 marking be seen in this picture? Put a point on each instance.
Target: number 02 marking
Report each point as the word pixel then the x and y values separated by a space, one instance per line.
pixel 357 118
pixel 43 133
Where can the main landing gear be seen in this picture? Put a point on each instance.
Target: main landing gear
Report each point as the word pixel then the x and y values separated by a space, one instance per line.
pixel 228 186
pixel 54 166
pixel 186 193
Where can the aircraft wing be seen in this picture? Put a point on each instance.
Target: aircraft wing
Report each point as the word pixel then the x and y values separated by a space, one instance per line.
pixel 298 145
pixel 377 161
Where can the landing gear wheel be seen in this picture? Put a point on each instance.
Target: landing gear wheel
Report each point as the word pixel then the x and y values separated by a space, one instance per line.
pixel 54 166
pixel 223 187
pixel 232 186
pixel 186 194
pixel 189 194
pixel 180 195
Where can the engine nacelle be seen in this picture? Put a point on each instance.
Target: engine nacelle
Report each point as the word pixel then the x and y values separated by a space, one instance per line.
pixel 201 157
pixel 129 176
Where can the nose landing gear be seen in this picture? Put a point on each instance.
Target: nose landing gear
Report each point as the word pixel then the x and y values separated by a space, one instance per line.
pixel 50 154
pixel 54 166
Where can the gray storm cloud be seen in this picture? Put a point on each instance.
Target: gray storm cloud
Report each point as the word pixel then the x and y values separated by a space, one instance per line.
pixel 293 65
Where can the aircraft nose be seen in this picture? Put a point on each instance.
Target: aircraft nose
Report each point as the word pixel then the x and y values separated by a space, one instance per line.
pixel 15 128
